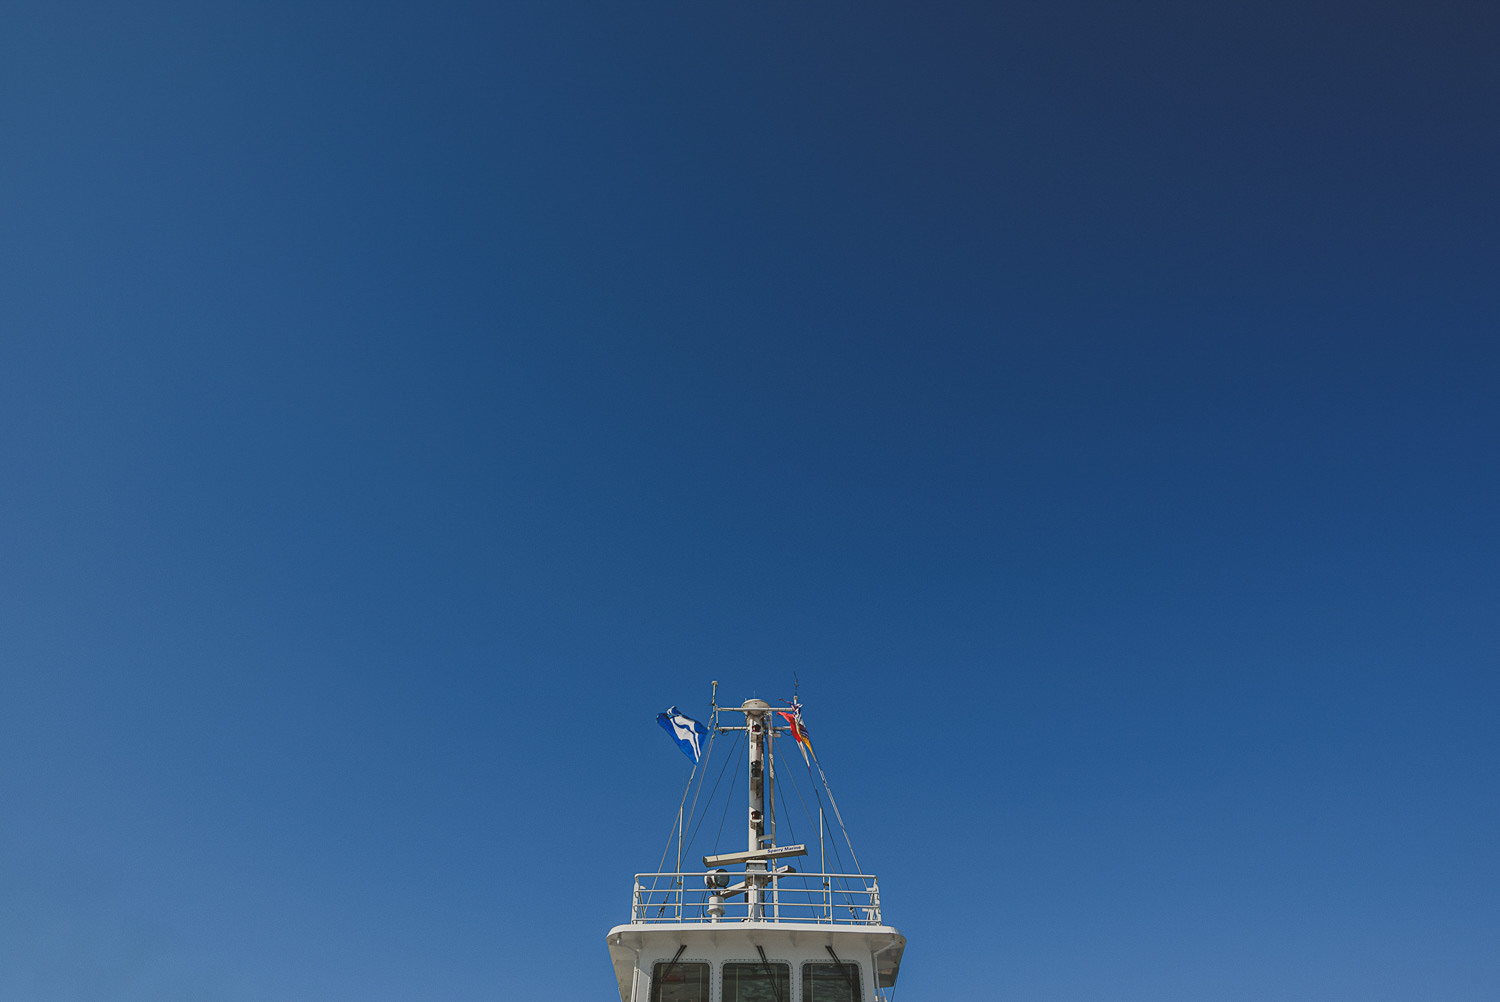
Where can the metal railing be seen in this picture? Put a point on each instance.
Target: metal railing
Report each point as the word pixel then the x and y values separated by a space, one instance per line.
pixel 828 898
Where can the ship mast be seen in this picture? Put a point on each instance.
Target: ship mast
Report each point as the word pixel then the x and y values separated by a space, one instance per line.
pixel 757 718
pixel 694 953
pixel 757 715
pixel 761 851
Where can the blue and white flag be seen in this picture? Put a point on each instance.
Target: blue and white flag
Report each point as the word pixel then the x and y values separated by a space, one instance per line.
pixel 686 731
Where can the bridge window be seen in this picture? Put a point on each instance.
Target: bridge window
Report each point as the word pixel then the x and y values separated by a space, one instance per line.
pixel 830 983
pixel 679 982
pixel 752 982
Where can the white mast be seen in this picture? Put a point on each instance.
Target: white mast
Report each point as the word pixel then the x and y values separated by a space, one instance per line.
pixel 760 825
pixel 756 713
pixel 696 952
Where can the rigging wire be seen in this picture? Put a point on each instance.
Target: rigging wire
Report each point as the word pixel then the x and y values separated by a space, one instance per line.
pixel 700 769
pixel 808 811
pixel 693 822
pixel 668 848
pixel 727 798
pixel 791 832
pixel 678 832
pixel 810 758
pixel 722 769
pixel 692 810
pixel 798 790
pixel 829 790
pixel 832 843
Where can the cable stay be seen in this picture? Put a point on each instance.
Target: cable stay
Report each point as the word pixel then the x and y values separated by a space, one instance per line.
pixel 696 943
pixel 769 806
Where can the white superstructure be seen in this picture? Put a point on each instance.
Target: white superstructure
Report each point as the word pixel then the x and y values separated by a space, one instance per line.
pixel 760 933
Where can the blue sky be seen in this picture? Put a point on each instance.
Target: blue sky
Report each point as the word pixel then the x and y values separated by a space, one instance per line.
pixel 1094 406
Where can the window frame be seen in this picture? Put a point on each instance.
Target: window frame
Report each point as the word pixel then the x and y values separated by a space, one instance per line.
pixel 791 970
pixel 653 991
pixel 858 976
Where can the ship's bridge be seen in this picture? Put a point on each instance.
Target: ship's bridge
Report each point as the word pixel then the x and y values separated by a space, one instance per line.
pixel 754 961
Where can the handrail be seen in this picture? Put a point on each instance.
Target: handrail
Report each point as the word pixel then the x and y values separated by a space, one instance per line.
pixel 823 898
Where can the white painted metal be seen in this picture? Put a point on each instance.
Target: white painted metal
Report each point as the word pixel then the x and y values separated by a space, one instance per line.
pixel 635 950
pixel 791 918
pixel 755 718
pixel 819 898
pixel 773 852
